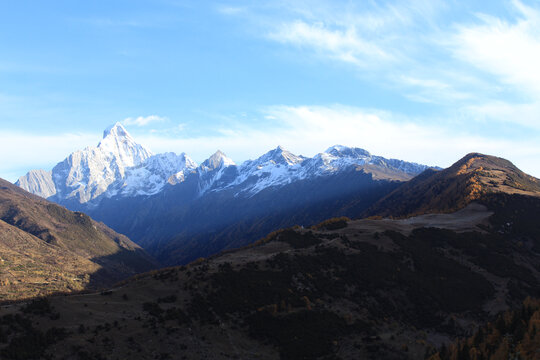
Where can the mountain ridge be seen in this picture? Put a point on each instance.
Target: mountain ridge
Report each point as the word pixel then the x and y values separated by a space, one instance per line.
pixel 180 210
pixel 350 289
pixel 86 176
pixel 469 179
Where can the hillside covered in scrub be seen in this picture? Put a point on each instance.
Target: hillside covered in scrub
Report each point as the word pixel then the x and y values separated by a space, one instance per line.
pixel 379 289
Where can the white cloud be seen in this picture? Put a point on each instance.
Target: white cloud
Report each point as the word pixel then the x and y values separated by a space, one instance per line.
pixel 508 50
pixel 391 43
pixel 308 130
pixel 341 44
pixel 178 128
pixel 51 149
pixel 433 90
pixel 525 114
pixel 231 10
pixel 422 51
pixel 509 53
pixel 305 130
pixel 143 120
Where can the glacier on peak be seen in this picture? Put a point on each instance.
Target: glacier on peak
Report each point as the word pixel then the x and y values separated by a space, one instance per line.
pixel 216 172
pixel 152 175
pixel 119 144
pixel 119 166
pixel 345 151
pixel 116 129
pixel 280 156
pixel 216 160
pixel 279 167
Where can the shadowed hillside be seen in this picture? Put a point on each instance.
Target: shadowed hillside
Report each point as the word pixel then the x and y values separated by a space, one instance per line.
pixel 363 289
pixel 375 288
pixel 46 248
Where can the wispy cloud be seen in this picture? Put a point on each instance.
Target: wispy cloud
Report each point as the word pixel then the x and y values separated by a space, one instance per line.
pixel 309 130
pixel 175 130
pixel 143 120
pixel 231 10
pixel 508 50
pixel 51 149
pixel 392 42
pixel 477 62
pixel 343 44
pixel 305 130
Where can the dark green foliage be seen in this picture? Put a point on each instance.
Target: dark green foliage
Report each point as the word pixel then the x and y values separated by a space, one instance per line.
pixel 300 335
pixel 27 342
pixel 152 308
pixel 451 286
pixel 515 217
pixel 414 284
pixel 297 239
pixel 199 309
pixel 167 299
pixel 39 306
pixel 166 274
pixel 245 290
pixel 176 314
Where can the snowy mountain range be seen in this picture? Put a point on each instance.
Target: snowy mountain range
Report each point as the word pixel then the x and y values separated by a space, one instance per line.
pixel 120 167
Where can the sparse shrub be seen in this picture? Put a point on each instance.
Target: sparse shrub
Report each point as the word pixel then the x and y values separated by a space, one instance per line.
pixel 167 299
pixel 332 224
pixel 39 306
pixel 152 308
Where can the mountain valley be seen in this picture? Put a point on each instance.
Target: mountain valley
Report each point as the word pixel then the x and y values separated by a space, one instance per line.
pixel 463 247
pixel 180 211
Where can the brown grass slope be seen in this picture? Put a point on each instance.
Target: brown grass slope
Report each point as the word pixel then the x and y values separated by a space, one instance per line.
pixel 45 248
pixel 470 179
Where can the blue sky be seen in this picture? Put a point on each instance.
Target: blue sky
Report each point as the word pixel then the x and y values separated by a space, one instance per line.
pixel 422 80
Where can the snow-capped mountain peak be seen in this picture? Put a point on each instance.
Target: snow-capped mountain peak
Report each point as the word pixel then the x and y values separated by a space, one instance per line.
pixel 280 156
pixel 345 151
pixel 119 144
pixel 117 130
pixel 150 177
pixel 217 160
pixel 87 174
pixel 119 166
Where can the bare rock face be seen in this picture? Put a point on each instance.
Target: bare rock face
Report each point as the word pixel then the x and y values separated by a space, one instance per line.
pixel 38 182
